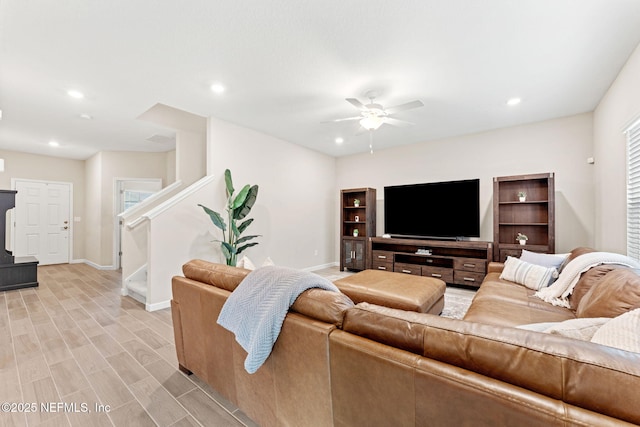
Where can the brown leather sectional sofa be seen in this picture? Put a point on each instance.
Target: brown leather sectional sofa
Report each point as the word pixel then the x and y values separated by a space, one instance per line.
pixel 339 364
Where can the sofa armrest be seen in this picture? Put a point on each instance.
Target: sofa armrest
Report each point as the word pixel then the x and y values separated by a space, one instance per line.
pixel 495 267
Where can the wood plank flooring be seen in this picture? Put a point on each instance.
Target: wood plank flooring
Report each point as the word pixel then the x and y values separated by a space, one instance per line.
pixel 86 356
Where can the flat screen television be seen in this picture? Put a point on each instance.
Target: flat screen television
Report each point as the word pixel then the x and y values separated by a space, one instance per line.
pixel 438 210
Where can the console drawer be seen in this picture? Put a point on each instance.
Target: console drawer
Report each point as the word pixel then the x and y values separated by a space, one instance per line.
pixel 384 256
pixel 382 265
pixel 413 269
pixel 468 278
pixel 470 264
pixel 445 274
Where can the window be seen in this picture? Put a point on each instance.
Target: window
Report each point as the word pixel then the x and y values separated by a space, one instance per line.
pixel 633 190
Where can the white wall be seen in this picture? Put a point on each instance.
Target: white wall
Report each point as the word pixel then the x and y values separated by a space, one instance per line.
pixel 177 235
pixel 617 109
pixel 560 145
pixel 190 156
pixel 297 198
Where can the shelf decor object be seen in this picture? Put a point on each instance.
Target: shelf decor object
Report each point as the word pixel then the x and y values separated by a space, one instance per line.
pixel 534 217
pixel 357 225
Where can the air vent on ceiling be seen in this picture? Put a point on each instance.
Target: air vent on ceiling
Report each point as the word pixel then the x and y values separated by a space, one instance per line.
pixel 162 139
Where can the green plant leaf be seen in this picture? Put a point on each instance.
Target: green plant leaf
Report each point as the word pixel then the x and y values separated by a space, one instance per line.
pixel 234 229
pixel 242 248
pixel 225 250
pixel 245 238
pixel 249 201
pixel 240 198
pixel 229 182
pixel 228 249
pixel 216 218
pixel 244 225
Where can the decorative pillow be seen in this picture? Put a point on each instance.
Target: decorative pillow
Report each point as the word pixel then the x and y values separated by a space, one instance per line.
pixel 537 327
pixel 245 263
pixel 580 329
pixel 616 293
pixel 621 332
pixel 530 275
pixel 267 262
pixel 545 260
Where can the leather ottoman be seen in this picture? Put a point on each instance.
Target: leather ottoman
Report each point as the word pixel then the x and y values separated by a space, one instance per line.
pixel 395 290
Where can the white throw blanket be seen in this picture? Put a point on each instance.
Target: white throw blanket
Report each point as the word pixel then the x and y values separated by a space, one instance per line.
pixel 560 290
pixel 255 311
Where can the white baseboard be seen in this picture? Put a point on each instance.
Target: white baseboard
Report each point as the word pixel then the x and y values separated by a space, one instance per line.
pixel 322 266
pixel 92 264
pixel 158 305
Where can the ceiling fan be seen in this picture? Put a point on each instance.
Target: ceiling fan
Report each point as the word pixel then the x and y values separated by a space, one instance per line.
pixel 373 115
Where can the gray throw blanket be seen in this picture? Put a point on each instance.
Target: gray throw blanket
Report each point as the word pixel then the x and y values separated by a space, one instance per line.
pixel 255 311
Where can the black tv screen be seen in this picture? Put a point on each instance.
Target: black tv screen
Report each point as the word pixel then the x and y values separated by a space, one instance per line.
pixel 447 210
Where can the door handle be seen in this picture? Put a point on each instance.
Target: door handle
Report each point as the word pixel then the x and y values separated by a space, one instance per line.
pixel 65 227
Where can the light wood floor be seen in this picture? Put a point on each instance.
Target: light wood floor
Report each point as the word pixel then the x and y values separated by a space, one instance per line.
pixel 74 340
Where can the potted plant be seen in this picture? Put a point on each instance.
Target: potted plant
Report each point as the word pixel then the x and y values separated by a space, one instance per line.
pixel 238 207
pixel 356 203
pixel 355 233
pixel 522 196
pixel 522 238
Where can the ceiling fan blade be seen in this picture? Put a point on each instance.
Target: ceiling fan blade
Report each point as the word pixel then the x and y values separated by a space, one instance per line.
pixel 348 118
pixel 343 120
pixel 359 105
pixel 398 123
pixel 403 107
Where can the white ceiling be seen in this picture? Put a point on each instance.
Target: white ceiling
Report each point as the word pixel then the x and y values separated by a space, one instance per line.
pixel 288 66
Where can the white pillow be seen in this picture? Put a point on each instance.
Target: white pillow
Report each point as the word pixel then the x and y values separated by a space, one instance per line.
pixel 245 263
pixel 530 275
pixel 545 260
pixel 581 329
pixel 537 327
pixel 621 332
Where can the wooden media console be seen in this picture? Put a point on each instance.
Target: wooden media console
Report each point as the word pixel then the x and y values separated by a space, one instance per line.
pixel 455 262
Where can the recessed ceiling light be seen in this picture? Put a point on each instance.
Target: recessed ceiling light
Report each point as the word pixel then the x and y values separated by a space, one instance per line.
pixel 514 101
pixel 54 143
pixel 86 116
pixel 339 140
pixel 75 94
pixel 217 88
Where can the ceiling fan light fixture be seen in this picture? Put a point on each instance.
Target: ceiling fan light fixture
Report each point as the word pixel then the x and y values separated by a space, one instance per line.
pixel 371 122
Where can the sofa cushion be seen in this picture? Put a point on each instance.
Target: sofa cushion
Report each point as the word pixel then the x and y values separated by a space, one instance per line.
pixel 323 305
pixel 616 293
pixel 575 254
pixel 622 332
pixel 587 280
pixel 501 302
pixel 219 275
pixel 397 328
pixel 530 275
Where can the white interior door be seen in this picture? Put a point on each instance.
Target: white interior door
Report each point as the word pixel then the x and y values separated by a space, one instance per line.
pixel 42 224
